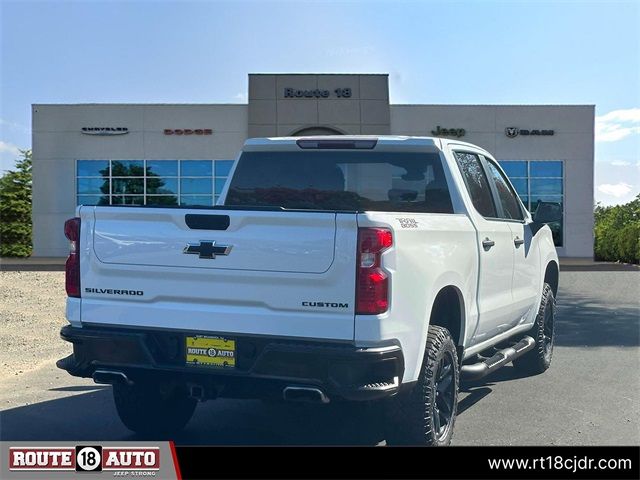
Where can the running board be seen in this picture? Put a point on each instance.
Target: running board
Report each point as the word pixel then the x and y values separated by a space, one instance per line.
pixel 500 359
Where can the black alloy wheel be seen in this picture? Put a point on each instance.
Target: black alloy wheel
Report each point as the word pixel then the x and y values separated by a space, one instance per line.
pixel 445 396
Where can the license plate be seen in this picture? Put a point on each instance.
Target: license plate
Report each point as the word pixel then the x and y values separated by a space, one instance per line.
pixel 210 351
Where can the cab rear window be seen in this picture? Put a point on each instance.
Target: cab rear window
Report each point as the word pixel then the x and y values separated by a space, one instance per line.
pixel 340 180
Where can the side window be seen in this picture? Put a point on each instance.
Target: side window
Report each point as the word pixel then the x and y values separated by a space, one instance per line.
pixel 477 183
pixel 510 207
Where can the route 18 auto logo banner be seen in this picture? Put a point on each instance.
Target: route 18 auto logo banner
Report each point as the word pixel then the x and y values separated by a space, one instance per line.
pixel 53 460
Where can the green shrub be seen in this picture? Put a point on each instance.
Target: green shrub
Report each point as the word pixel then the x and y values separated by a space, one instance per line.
pixel 15 209
pixel 617 232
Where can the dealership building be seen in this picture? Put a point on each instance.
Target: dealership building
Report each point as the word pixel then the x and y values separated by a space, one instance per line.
pixel 181 154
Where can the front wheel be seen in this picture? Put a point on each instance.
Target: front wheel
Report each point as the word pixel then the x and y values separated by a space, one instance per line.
pixel 150 409
pixel 538 359
pixel 426 415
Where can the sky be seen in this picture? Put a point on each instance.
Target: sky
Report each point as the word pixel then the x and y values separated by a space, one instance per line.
pixel 478 52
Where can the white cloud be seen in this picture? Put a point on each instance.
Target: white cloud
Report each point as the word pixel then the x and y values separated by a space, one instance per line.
pixel 617 124
pixel 14 126
pixel 8 148
pixel 242 97
pixel 8 155
pixel 620 163
pixel 617 190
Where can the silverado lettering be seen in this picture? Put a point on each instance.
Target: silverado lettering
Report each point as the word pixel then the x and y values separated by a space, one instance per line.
pixel 110 291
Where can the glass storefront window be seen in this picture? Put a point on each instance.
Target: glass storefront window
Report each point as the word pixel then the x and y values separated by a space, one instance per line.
pixel 521 185
pixel 93 200
pixel 127 200
pixel 515 169
pixel 196 200
pixel 546 169
pixel 127 168
pixel 150 182
pixel 195 185
pixel 162 186
pixel 91 186
pixel 92 168
pixel 220 182
pixel 196 168
pixel 162 168
pixel 546 186
pixel 162 200
pixel 127 186
pixel 538 180
pixel 223 167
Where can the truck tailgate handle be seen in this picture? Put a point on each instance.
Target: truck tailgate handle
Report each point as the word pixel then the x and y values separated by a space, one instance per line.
pixel 206 222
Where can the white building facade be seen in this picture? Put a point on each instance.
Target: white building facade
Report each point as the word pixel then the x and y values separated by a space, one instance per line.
pixel 164 154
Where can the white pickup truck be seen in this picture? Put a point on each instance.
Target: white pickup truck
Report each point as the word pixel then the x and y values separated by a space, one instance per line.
pixel 333 269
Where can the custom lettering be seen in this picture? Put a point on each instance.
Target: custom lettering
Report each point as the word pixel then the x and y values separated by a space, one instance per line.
pixel 325 304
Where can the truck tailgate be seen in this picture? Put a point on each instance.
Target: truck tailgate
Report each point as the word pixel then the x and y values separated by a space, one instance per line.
pixel 226 271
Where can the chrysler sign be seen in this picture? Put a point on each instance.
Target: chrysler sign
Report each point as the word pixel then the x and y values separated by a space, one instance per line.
pixel 104 131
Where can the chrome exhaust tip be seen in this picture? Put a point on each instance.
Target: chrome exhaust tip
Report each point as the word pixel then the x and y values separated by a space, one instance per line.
pixel 304 394
pixel 109 377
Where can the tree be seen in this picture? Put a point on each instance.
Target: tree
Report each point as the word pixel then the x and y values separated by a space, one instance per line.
pixel 15 209
pixel 617 232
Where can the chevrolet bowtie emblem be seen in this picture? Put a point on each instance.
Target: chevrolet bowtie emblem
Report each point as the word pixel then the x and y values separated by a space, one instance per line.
pixel 207 249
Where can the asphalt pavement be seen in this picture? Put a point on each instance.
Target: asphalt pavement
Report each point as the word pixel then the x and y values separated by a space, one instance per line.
pixel 589 396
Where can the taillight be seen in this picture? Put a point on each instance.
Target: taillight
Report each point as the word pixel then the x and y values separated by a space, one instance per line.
pixel 372 283
pixel 72 267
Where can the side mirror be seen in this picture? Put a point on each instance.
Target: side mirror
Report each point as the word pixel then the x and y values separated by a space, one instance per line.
pixel 546 212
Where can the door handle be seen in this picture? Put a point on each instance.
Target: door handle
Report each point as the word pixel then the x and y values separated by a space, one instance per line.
pixel 518 241
pixel 487 243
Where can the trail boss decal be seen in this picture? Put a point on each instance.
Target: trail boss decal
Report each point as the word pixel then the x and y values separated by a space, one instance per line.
pixel 408 222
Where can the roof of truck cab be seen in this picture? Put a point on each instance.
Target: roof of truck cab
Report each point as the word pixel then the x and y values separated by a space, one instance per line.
pixel 399 139
pixel 392 142
pixel 389 141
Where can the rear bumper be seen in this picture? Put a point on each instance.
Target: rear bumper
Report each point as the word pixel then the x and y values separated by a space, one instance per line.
pixel 264 365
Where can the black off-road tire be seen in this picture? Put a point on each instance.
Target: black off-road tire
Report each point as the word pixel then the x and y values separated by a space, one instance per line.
pixel 538 359
pixel 148 410
pixel 416 417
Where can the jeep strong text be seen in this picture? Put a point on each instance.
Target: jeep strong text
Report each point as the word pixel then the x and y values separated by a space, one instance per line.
pixel 382 269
